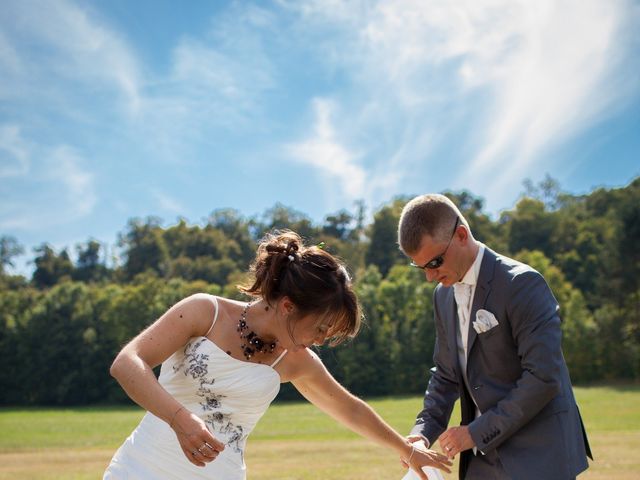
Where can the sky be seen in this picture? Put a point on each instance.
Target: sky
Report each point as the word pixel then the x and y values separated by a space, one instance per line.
pixel 122 109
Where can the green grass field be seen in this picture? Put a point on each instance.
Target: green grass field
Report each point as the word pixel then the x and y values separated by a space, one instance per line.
pixel 293 441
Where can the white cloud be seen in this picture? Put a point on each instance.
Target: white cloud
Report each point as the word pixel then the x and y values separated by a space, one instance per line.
pixel 9 58
pixel 208 86
pixel 50 45
pixel 533 73
pixel 14 155
pixel 64 191
pixel 215 85
pixel 560 79
pixel 65 168
pixel 324 153
pixel 167 203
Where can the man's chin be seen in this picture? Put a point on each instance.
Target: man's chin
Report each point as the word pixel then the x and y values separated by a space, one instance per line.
pixel 446 282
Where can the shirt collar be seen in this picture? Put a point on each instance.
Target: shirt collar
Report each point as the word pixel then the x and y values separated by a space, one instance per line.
pixel 471 277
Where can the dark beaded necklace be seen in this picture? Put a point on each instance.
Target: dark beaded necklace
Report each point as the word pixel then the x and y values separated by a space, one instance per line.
pixel 251 342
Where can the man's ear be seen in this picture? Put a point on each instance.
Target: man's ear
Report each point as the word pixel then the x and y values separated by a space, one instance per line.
pixel 462 232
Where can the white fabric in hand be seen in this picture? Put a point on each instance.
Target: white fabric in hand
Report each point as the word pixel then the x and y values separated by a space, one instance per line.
pixel 432 473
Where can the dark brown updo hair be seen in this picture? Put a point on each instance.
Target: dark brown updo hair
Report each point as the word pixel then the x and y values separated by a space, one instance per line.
pixel 314 280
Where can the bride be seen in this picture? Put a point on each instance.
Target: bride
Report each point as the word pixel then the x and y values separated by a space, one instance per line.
pixel 223 362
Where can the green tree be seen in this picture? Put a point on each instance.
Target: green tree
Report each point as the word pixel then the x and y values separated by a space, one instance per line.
pixel 51 268
pixel 338 225
pixel 16 307
pixel 236 228
pixel 144 248
pixel 282 217
pixel 547 191
pixel 9 248
pixel 89 267
pixel 529 226
pixel 383 250
pixel 407 301
pixel 363 365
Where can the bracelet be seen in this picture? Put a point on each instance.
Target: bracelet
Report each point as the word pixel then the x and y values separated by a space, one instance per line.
pixel 413 450
pixel 173 417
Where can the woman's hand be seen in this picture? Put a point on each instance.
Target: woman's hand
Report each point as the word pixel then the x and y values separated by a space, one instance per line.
pixel 197 443
pixel 421 457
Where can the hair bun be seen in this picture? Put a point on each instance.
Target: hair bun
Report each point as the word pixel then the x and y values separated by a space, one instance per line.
pixel 292 247
pixel 275 247
pixel 285 243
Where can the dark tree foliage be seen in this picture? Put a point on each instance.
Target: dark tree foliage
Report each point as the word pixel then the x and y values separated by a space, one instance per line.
pixel 89 267
pixel 51 267
pixel 383 251
pixel 145 248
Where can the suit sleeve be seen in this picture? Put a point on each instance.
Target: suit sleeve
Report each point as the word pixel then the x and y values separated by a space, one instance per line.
pixel 533 314
pixel 442 390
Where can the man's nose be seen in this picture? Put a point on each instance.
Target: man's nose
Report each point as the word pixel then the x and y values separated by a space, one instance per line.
pixel 430 274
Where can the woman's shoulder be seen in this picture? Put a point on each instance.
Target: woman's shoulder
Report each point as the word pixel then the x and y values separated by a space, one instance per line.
pixel 302 363
pixel 209 301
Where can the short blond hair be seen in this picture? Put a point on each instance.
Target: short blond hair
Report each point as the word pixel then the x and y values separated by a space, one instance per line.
pixel 430 215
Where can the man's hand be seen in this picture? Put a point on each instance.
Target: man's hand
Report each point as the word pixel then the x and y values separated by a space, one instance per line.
pixel 456 440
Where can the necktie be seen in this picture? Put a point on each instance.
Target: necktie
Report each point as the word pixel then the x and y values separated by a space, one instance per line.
pixel 462 293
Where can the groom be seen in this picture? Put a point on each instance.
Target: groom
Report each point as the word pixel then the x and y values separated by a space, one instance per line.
pixel 498 350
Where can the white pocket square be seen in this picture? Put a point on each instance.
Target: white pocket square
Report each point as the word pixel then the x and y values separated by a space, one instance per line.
pixel 485 321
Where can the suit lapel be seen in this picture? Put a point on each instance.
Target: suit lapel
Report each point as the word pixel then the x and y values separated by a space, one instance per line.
pixel 483 287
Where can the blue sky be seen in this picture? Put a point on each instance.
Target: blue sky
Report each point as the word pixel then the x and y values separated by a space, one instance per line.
pixel 121 109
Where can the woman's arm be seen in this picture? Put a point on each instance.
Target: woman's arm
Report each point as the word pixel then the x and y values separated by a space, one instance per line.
pixel 133 369
pixel 317 385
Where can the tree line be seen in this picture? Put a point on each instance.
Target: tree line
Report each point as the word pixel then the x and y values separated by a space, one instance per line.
pixel 61 328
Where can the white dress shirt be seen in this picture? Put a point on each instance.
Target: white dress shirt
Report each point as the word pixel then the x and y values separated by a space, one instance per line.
pixel 468 282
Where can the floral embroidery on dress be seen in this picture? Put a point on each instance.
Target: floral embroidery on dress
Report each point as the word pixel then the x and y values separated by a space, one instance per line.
pixel 197 362
pixel 196 365
pixel 220 422
pixel 211 400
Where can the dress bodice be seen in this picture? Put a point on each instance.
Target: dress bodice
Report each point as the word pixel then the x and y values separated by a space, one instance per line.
pixel 228 394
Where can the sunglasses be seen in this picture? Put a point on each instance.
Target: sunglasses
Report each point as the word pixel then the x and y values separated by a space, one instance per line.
pixel 436 262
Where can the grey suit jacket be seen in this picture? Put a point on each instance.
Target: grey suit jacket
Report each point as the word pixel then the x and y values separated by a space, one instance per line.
pixel 517 375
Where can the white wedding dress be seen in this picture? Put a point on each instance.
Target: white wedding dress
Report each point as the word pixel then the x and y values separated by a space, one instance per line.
pixel 228 394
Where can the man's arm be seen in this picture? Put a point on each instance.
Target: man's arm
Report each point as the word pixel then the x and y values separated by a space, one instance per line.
pixel 535 324
pixel 442 391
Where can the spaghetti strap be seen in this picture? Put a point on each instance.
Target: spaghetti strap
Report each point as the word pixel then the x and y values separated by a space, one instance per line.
pixel 215 316
pixel 279 358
